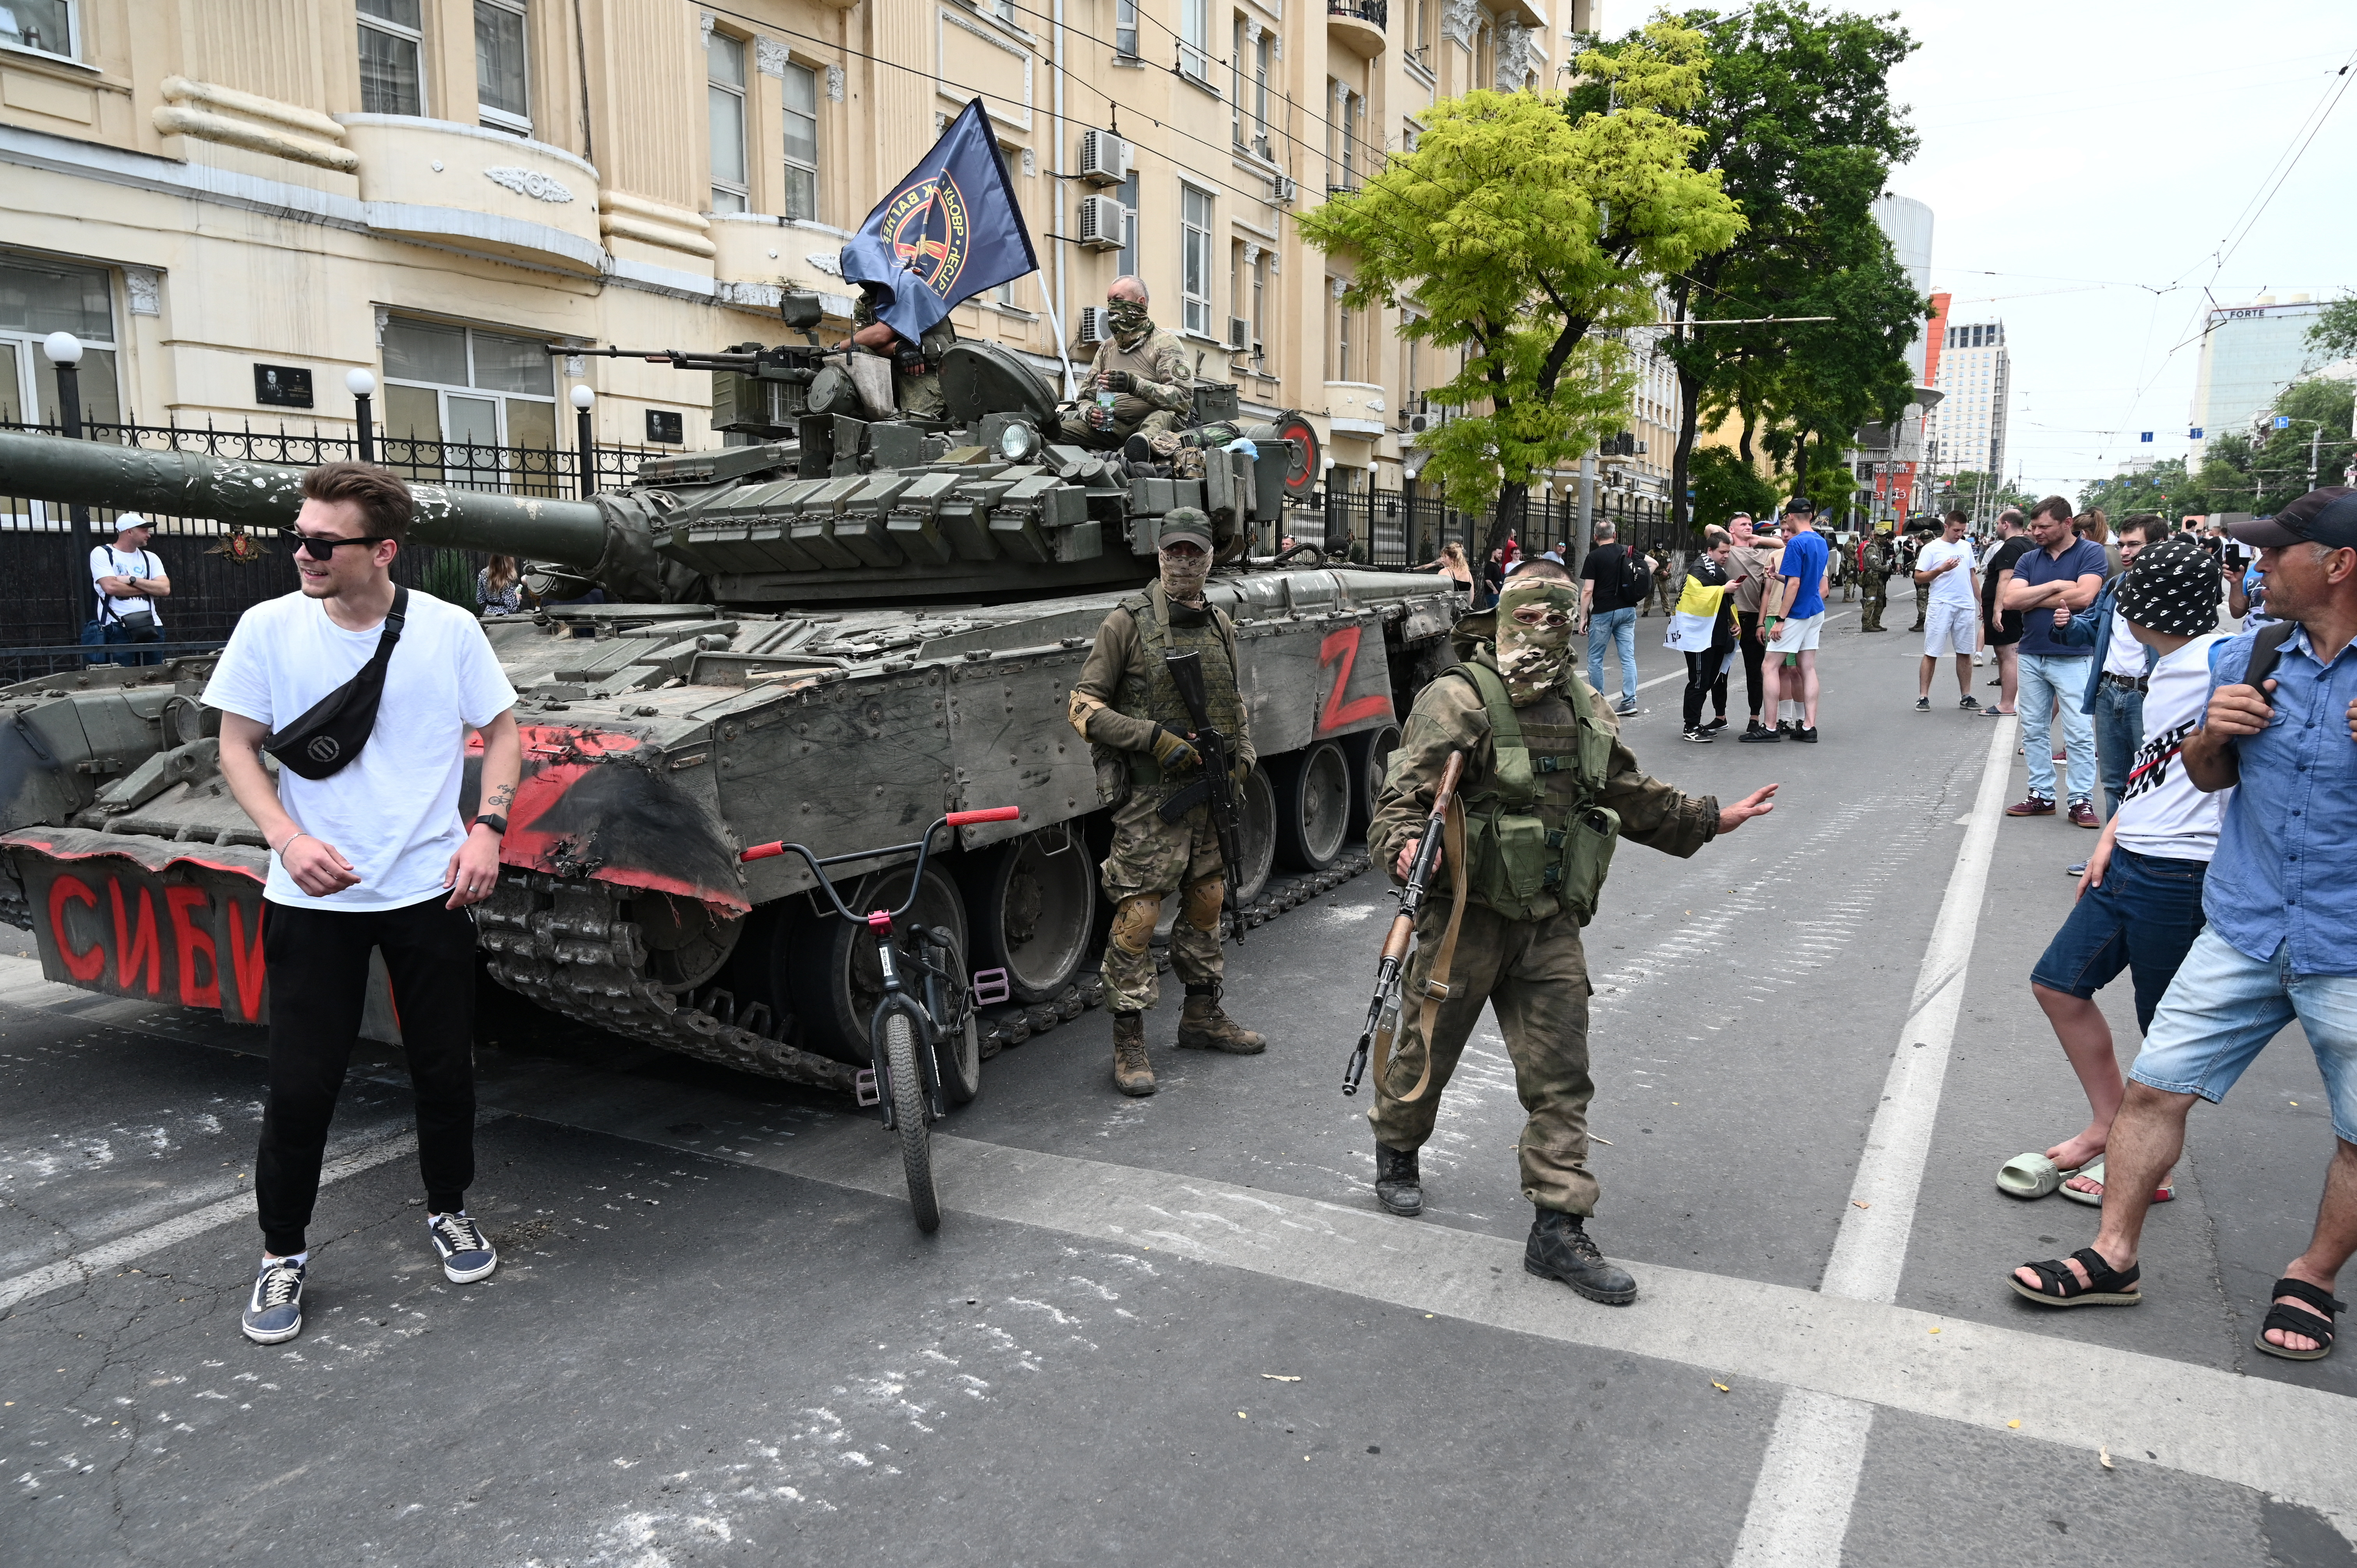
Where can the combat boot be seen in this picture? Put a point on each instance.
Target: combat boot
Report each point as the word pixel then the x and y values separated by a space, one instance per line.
pixel 1559 1250
pixel 1132 1074
pixel 1399 1185
pixel 1203 1027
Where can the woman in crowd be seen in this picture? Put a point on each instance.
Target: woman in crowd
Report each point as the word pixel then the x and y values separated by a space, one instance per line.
pixel 499 587
pixel 1451 564
pixel 1702 629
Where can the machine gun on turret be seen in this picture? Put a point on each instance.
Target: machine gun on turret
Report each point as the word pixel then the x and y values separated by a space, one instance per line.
pixel 756 390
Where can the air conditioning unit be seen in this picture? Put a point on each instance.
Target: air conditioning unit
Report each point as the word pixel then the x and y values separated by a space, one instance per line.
pixel 1105 157
pixel 1237 339
pixel 1093 325
pixel 1420 424
pixel 1284 189
pixel 1105 223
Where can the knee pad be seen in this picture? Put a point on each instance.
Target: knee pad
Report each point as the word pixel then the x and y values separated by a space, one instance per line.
pixel 1133 921
pixel 1203 900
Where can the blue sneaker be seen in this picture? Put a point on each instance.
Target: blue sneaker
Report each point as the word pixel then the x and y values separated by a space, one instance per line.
pixel 274 1315
pixel 467 1253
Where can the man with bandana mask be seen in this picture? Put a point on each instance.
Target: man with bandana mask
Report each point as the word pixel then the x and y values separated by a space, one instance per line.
pixel 1146 371
pixel 1548 786
pixel 1127 708
pixel 916 370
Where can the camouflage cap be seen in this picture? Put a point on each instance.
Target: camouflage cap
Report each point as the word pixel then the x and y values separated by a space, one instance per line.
pixel 1185 522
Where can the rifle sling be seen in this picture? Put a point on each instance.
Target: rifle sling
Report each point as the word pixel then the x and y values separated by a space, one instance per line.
pixel 1435 984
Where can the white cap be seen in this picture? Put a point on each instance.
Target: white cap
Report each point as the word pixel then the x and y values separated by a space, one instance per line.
pixel 130 520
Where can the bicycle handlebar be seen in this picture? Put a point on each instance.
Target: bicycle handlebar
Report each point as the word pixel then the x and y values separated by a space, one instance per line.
pixel 923 846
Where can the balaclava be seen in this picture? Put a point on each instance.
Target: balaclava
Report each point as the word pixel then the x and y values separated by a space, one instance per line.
pixel 1129 320
pixel 1534 659
pixel 1183 575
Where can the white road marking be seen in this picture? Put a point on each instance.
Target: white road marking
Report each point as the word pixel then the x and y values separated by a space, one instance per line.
pixel 1800 1504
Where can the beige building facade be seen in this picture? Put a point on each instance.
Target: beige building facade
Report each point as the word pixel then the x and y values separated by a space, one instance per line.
pixel 233 203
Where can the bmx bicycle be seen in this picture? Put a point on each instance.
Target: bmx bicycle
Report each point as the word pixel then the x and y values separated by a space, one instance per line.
pixel 925 1014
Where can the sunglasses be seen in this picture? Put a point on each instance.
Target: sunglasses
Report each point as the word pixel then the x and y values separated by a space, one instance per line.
pixel 322 547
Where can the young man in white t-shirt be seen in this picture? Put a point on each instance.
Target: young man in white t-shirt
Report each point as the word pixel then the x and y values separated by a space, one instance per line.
pixel 127 578
pixel 2140 905
pixel 373 855
pixel 1952 615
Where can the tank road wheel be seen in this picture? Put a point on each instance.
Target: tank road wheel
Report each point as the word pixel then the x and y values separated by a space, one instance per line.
pixel 1030 903
pixel 1313 805
pixel 830 964
pixel 909 1110
pixel 1259 835
pixel 1371 753
pixel 687 944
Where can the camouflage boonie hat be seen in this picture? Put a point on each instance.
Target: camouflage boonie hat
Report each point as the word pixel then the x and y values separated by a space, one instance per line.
pixel 1185 522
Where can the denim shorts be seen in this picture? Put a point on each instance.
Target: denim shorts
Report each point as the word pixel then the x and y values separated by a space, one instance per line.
pixel 2226 1006
pixel 2142 918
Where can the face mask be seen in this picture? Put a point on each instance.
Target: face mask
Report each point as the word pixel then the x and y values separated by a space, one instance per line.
pixel 1183 575
pixel 1128 317
pixel 1534 659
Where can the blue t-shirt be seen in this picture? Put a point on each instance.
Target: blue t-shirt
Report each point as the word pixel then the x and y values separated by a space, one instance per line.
pixel 2083 558
pixel 1805 557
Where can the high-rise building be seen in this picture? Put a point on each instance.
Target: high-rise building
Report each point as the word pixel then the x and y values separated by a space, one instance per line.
pixel 1975 381
pixel 1891 458
pixel 2249 354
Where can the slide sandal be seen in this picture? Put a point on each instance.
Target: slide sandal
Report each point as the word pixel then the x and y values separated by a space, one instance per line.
pixel 2029 1176
pixel 2093 1171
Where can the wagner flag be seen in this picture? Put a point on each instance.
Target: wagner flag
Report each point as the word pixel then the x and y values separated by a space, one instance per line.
pixel 950 229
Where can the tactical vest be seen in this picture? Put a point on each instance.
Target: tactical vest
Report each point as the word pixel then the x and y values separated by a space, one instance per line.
pixel 1148 692
pixel 1535 840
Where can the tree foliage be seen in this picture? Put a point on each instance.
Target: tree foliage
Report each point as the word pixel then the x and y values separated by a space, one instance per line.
pixel 1525 235
pixel 1724 484
pixel 1980 496
pixel 2262 473
pixel 2335 331
pixel 2165 488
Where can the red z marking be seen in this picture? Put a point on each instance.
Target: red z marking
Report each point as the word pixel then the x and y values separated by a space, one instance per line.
pixel 192 940
pixel 87 964
pixel 1342 647
pixel 130 949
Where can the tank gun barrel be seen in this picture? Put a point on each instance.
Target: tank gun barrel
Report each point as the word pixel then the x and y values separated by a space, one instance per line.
pixel 268 495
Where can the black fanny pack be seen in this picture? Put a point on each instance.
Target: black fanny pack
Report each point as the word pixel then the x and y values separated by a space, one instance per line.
pixel 339 724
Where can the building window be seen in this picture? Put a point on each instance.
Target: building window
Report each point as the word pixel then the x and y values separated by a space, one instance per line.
pixel 36 298
pixel 1419 43
pixel 1125 29
pixel 1262 316
pixel 501 97
pixel 391 39
pixel 1195 39
pixel 725 60
pixel 1128 194
pixel 464 387
pixel 1339 356
pixel 1264 48
pixel 1236 82
pixel 801 143
pixel 1411 365
pixel 1195 260
pixel 51 27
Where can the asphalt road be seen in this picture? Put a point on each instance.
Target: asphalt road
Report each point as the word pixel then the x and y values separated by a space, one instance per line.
pixel 1178 1329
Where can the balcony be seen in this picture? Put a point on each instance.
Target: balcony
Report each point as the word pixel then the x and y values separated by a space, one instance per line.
pixel 477 191
pixel 1355 409
pixel 1358 25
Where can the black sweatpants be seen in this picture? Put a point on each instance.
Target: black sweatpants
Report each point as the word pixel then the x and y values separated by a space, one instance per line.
pixel 317 962
pixel 1746 637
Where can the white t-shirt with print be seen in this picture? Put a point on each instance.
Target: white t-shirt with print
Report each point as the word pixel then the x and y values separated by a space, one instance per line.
pixel 2161 813
pixel 392 811
pixel 1950 587
pixel 106 561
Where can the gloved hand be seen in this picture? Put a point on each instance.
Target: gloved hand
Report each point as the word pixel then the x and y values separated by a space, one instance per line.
pixel 1096 416
pixel 1172 751
pixel 1240 771
pixel 1118 381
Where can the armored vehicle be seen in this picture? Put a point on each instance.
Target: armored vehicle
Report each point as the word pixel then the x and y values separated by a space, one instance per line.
pixel 831 638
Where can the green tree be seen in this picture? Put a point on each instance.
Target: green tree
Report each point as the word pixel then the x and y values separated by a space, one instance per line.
pixel 2223 483
pixel 1724 484
pixel 1528 234
pixel 2335 331
pixel 1797 120
pixel 2313 449
pixel 1980 496
pixel 2165 488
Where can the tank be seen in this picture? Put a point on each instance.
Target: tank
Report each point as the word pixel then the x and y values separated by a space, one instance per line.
pixel 832 636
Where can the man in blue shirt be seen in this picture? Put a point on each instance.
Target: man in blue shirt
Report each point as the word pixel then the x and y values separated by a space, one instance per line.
pixel 2282 937
pixel 1792 630
pixel 2063 574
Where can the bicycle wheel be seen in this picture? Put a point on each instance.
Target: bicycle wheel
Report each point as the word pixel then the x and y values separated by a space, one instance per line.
pixel 908 1108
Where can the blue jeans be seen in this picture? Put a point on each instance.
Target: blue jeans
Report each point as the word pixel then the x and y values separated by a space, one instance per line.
pixel 2225 1006
pixel 2046 679
pixel 2142 918
pixel 106 634
pixel 1620 628
pixel 2119 731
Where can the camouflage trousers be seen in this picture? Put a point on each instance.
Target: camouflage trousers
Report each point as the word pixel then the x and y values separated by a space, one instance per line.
pixel 1081 433
pixel 1150 860
pixel 1534 974
pixel 1873 597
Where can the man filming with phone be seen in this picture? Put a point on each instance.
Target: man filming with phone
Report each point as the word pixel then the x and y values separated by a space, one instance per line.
pixel 363 693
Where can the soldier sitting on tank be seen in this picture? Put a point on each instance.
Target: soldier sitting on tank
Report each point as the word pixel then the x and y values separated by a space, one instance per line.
pixel 1127 708
pixel 916 369
pixel 1142 371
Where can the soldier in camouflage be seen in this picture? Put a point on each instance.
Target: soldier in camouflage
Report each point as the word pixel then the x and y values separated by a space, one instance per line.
pixel 1548 786
pixel 1143 371
pixel 1878 560
pixel 1126 707
pixel 916 371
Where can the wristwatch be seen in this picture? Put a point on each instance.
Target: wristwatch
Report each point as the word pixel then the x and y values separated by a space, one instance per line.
pixel 492 821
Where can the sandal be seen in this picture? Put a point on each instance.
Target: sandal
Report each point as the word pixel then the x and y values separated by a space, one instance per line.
pixel 2106 1286
pixel 2317 1324
pixel 2030 1175
pixel 2093 1171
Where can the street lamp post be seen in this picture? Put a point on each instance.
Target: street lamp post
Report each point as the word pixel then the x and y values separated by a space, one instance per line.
pixel 64 352
pixel 582 400
pixel 362 386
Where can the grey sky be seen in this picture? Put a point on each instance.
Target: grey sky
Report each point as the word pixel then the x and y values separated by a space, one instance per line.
pixel 2072 151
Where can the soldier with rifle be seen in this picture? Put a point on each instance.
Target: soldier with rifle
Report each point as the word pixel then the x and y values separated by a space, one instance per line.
pixel 1158 703
pixel 1547 788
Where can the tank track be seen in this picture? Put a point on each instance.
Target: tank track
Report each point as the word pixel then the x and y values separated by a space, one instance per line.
pixel 563 946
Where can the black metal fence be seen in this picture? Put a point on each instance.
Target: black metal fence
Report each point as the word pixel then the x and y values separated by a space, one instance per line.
pixel 1405 529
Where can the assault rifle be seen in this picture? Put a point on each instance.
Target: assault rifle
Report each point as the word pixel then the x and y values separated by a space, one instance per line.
pixel 1217 785
pixel 1383 1012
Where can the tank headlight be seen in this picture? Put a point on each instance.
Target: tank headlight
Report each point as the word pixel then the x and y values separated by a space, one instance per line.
pixel 1018 443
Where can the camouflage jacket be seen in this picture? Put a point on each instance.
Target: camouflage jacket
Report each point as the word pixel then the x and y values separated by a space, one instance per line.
pixel 1163 367
pixel 1119 649
pixel 1449 716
